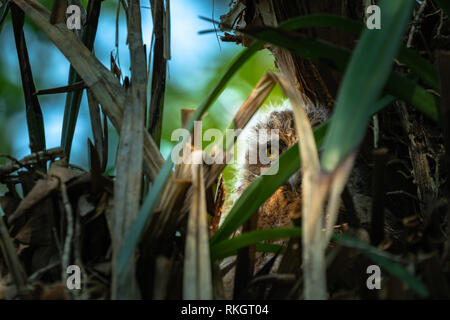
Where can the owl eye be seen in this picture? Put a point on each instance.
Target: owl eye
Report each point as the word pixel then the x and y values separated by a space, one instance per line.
pixel 271 152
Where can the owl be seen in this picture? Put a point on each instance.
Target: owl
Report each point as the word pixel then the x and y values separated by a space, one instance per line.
pixel 286 201
pixel 278 210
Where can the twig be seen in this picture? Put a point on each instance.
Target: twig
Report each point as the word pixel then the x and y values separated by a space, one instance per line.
pixel 13 160
pixel 64 89
pixel 415 22
pixel 69 232
pixel 37 274
pixel 29 160
pixel 441 23
pixel 214 25
pixel 402 192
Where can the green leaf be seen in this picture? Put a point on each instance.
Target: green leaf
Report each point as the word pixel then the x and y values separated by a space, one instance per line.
pixel 382 103
pixel 384 261
pixel 322 20
pixel 259 247
pixel 413 94
pixel 264 186
pixel 410 58
pixel 269 248
pixel 138 227
pixel 424 69
pixel 366 75
pixel 227 247
pixel 398 85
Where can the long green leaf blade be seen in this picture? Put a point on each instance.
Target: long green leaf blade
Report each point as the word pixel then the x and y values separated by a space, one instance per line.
pixel 383 261
pixel 410 58
pixel 366 75
pixel 318 50
pixel 229 247
pixel 413 94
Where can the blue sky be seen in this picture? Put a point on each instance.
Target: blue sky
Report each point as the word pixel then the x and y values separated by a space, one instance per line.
pixel 192 58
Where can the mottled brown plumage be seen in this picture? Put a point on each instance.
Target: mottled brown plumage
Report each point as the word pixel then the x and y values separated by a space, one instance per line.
pixel 275 211
pixel 286 201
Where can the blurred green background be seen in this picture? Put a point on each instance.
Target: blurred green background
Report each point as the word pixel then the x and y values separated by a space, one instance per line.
pixel 198 61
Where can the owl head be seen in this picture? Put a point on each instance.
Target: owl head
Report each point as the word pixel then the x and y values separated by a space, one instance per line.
pixel 260 139
pixel 270 134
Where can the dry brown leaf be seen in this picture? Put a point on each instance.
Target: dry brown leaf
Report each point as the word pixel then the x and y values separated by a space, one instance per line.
pixel 42 189
pixel 64 174
pixel 37 230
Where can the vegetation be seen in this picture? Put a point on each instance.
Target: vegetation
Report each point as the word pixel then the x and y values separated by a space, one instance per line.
pixel 147 228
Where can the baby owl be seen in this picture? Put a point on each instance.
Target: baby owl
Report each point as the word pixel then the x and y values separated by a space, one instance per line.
pixel 286 201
